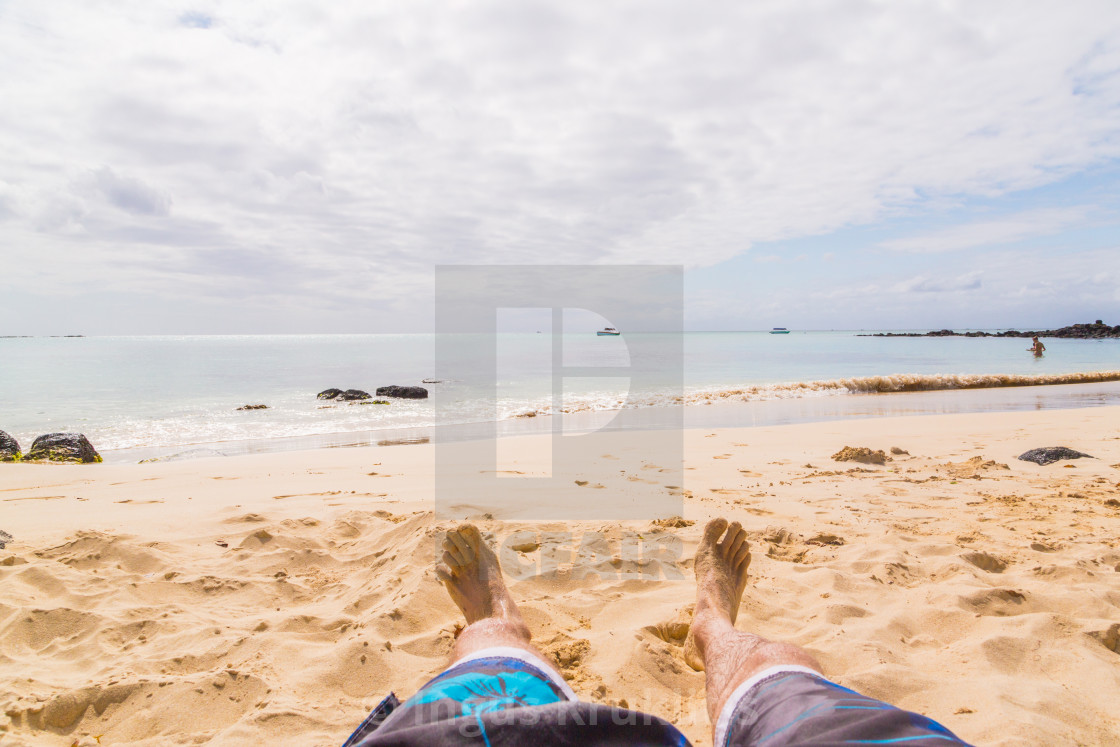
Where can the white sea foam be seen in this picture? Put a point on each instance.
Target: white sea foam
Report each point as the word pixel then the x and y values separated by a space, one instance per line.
pixel 799 389
pixel 900 383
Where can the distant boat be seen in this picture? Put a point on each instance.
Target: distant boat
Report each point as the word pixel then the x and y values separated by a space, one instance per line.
pixel 608 332
pixel 779 331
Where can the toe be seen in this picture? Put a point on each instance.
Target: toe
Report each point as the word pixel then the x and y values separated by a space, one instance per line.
pixel 461 544
pixel 734 539
pixel 443 573
pixel 713 530
pixel 742 556
pixel 452 550
pixel 452 560
pixel 470 533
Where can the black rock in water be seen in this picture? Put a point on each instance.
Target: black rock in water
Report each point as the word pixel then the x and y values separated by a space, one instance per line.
pixel 1098 330
pixel 9 448
pixel 350 395
pixel 253 407
pixel 1052 454
pixel 404 392
pixel 63 447
pixel 329 393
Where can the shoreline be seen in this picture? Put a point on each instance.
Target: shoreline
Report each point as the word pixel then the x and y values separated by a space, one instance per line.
pixel 715 413
pixel 133 392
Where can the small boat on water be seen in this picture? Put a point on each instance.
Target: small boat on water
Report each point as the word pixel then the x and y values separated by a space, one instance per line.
pixel 779 331
pixel 608 332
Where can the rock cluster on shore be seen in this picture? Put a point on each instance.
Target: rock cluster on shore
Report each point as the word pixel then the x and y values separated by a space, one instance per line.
pixel 403 392
pixel 357 395
pixel 1095 331
pixel 9 448
pixel 349 395
pixel 51 447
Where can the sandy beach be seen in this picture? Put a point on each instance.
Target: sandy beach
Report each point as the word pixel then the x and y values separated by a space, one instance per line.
pixel 277 597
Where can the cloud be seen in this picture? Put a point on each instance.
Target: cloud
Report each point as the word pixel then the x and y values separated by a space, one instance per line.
pixel 925 284
pixel 336 147
pixel 992 232
pixel 7 203
pixel 130 194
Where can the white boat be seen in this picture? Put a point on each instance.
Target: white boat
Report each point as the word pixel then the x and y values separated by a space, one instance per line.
pixel 779 331
pixel 608 332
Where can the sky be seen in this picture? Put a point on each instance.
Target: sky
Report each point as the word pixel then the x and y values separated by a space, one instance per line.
pixel 303 167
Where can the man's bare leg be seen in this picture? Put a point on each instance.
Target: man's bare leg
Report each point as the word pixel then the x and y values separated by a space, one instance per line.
pixel 473 578
pixel 728 657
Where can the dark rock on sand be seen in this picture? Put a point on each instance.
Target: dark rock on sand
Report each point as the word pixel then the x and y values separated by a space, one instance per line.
pixel 9 448
pixel 1052 454
pixel 5 538
pixel 253 407
pixel 329 393
pixel 63 447
pixel 404 392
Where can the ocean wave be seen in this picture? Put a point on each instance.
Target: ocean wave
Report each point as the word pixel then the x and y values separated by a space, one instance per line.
pixel 906 383
pixel 801 389
pixel 298 419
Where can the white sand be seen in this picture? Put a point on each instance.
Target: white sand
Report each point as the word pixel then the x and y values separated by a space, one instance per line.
pixel 278 597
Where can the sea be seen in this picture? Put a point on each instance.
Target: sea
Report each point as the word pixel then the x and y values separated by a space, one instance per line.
pixel 169 397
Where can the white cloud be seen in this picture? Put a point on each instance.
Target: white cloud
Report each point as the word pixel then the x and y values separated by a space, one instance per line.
pixel 128 193
pixel 331 153
pixel 926 284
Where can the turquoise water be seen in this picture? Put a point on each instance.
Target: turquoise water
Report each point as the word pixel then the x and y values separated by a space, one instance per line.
pixel 139 392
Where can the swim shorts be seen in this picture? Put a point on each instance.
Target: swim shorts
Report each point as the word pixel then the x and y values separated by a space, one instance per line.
pixel 507 696
pixel 791 705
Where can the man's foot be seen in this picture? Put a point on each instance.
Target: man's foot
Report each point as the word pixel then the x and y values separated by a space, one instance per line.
pixel 473 577
pixel 721 577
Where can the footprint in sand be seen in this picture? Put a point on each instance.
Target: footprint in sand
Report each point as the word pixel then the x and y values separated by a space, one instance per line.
pixel 985 562
pixel 996 602
pixel 1110 638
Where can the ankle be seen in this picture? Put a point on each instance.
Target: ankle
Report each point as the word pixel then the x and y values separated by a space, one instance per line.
pixel 710 609
pixel 709 625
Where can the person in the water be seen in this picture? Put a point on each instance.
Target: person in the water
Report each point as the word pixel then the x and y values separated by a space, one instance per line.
pixel 1037 348
pixel 500 690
